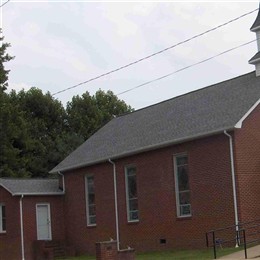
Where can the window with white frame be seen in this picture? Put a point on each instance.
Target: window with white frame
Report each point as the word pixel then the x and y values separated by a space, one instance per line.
pixel 182 187
pixel 90 200
pixel 131 194
pixel 2 219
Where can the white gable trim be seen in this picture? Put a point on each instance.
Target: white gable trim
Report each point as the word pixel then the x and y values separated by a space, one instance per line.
pixel 240 122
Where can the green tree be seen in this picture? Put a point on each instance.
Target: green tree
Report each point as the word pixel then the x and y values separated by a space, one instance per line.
pixel 45 119
pixel 4 57
pixel 38 132
pixel 88 113
pixel 33 121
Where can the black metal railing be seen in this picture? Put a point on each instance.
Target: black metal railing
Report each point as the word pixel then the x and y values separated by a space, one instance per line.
pixel 242 234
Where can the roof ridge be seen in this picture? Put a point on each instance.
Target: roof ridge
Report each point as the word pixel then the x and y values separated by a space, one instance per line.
pixel 188 93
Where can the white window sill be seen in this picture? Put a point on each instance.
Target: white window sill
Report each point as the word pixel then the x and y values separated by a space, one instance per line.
pixel 186 216
pixel 2 232
pixel 133 221
pixel 92 225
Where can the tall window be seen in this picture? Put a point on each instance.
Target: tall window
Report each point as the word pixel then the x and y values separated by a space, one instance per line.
pixel 182 186
pixel 131 194
pixel 2 219
pixel 90 201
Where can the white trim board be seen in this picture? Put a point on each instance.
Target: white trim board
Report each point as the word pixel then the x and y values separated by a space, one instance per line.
pixel 240 122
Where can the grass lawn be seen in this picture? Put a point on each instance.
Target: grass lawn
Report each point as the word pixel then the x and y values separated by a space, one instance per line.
pixel 176 255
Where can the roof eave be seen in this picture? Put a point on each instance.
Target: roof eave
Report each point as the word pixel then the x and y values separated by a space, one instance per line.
pixel 144 149
pixel 254 61
pixel 255 28
pixel 38 193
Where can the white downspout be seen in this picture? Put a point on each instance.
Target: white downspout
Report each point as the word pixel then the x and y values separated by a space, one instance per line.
pixel 116 207
pixel 233 181
pixel 63 181
pixel 21 223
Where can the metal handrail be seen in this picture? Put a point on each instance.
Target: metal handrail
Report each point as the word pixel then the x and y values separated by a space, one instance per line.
pixel 238 237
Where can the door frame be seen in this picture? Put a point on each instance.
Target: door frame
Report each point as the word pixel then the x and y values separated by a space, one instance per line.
pixel 49 217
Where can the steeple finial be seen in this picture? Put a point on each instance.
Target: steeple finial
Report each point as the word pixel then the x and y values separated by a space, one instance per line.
pixel 256 24
pixel 256 58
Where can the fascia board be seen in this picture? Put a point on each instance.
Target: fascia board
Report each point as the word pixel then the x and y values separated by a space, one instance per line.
pixel 240 122
pixel 38 193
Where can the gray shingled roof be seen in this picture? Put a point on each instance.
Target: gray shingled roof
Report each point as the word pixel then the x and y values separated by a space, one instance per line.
pixel 193 115
pixel 256 22
pixel 31 186
pixel 254 58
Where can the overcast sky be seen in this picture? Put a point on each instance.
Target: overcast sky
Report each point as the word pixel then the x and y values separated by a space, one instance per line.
pixel 58 44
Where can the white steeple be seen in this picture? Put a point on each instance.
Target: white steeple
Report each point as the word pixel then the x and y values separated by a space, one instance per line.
pixel 256 58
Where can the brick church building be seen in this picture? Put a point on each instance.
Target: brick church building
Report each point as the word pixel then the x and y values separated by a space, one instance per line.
pixel 154 179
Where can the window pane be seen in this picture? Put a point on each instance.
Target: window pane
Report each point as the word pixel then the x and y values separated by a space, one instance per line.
pixel 91 198
pixel 134 215
pixel 182 160
pixel 184 197
pixel 92 220
pixel 3 211
pixel 91 206
pixel 183 178
pixel 132 194
pixel 92 210
pixel 185 210
pixel 4 225
pixel 182 186
pixel 132 186
pixel 131 171
pixel 133 204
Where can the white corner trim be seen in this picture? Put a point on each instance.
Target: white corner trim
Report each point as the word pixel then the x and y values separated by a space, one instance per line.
pixel 240 122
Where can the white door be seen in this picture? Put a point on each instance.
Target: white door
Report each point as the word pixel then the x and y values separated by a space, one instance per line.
pixel 43 221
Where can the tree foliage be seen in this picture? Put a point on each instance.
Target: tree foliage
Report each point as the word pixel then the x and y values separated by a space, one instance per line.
pixel 88 113
pixel 4 57
pixel 38 132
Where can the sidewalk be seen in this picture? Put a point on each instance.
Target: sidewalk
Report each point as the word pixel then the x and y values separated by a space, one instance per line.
pixel 252 253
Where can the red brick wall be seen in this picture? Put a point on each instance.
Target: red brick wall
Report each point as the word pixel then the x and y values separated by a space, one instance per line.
pixel 211 199
pixel 247 154
pixel 10 242
pixel 10 245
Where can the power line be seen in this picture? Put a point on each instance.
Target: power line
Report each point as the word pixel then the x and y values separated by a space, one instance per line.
pixel 184 68
pixel 156 53
pixel 5 3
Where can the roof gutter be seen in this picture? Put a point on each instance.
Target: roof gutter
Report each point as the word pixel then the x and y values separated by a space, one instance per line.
pixel 144 149
pixel 38 194
pixel 233 182
pixel 21 226
pixel 116 205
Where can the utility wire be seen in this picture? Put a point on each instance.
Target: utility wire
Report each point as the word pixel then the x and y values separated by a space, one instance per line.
pixel 5 3
pixel 184 68
pixel 156 53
